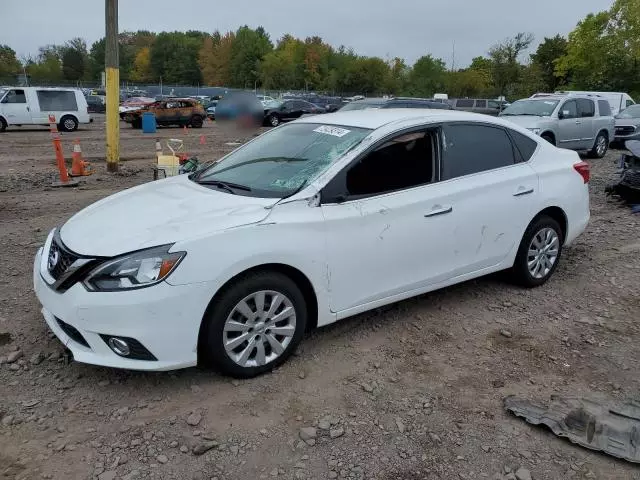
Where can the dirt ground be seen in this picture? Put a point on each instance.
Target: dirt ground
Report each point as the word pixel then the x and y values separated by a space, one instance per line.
pixel 413 391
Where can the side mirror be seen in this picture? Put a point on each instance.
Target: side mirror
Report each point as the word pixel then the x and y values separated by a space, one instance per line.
pixel 563 114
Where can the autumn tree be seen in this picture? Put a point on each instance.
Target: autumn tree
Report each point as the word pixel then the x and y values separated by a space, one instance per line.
pixel 214 59
pixel 141 70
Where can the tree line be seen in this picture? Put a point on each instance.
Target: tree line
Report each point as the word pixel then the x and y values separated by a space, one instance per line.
pixel 601 53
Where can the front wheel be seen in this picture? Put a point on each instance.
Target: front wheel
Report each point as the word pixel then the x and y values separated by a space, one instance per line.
pixel 539 252
pixel 196 122
pixel 253 325
pixel 3 125
pixel 600 147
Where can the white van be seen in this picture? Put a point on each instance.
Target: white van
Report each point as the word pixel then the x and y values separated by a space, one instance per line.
pixel 32 106
pixel 618 101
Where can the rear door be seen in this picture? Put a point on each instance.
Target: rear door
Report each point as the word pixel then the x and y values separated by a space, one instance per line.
pixel 586 127
pixel 492 194
pixel 15 107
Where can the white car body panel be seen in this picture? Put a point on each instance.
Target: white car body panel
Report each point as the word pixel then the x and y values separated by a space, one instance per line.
pixel 357 255
pixel 30 113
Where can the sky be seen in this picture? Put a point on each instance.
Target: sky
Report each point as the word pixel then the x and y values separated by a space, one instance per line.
pixel 384 28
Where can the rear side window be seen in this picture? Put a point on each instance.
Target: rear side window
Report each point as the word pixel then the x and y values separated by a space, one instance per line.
pixel 57 100
pixel 469 149
pixel 525 146
pixel 629 103
pixel 586 108
pixel 464 103
pixel 481 104
pixel 604 108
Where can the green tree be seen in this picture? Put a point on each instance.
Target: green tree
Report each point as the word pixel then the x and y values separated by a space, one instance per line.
pixel 9 64
pixel 214 59
pixel 74 59
pixel 174 57
pixel 249 48
pixel 427 76
pixel 545 58
pixel 506 68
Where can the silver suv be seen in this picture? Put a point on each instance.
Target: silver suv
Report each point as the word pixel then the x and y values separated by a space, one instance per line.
pixel 574 121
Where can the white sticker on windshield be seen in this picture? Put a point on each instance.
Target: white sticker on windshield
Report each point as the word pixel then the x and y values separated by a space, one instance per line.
pixel 335 131
pixel 550 103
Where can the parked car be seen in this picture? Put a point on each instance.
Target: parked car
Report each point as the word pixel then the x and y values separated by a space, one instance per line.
pixel 627 125
pixel 96 104
pixel 617 100
pixel 484 106
pixel 576 122
pixel 330 104
pixel 32 106
pixel 307 224
pixel 265 99
pixel 211 109
pixel 398 102
pixel 175 111
pixel 277 112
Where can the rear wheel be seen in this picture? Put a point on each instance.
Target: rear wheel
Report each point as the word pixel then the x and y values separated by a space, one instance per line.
pixel 549 138
pixel 539 252
pixel 253 325
pixel 273 120
pixel 68 123
pixel 3 125
pixel 601 146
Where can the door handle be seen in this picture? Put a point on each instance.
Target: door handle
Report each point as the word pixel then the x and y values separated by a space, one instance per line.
pixel 28 109
pixel 578 122
pixel 439 210
pixel 519 193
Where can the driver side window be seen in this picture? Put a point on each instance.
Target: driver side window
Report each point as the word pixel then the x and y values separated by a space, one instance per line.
pixel 15 96
pixel 403 162
pixel 569 110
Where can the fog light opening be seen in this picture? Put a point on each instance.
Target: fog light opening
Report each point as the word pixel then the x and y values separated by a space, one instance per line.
pixel 119 346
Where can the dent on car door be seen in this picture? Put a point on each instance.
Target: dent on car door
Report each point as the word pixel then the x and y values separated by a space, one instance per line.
pixel 491 192
pixel 383 236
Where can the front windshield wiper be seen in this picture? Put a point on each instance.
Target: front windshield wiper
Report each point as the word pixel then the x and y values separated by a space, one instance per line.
pixel 523 114
pixel 224 185
pixel 260 160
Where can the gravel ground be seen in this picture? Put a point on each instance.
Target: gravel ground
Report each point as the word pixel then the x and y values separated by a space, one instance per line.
pixel 412 391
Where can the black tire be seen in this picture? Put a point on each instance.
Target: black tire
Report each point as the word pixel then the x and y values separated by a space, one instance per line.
pixel 600 146
pixel 520 270
pixel 549 138
pixel 196 121
pixel 68 123
pixel 211 348
pixel 273 120
pixel 3 125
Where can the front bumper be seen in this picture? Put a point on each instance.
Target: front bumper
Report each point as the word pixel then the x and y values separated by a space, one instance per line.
pixel 164 318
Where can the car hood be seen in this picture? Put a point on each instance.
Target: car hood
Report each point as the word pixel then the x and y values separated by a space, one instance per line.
pixel 621 122
pixel 526 121
pixel 158 213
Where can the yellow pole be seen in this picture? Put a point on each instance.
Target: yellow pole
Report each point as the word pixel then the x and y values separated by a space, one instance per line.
pixel 112 70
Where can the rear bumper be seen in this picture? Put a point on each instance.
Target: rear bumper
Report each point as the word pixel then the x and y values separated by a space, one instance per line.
pixel 164 318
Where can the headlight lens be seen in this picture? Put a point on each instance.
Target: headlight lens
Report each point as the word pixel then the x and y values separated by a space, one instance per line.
pixel 536 131
pixel 136 270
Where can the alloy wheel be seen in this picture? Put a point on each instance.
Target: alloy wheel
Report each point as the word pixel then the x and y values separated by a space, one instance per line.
pixel 601 146
pixel 543 253
pixel 259 328
pixel 69 124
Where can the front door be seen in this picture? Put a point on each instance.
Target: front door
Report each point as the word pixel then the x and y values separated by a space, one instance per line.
pixel 15 107
pixel 384 224
pixel 569 126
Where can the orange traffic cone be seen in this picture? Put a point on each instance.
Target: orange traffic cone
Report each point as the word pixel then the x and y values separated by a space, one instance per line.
pixel 78 165
pixel 203 140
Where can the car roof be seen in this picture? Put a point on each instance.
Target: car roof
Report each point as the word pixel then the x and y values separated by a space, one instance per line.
pixel 374 119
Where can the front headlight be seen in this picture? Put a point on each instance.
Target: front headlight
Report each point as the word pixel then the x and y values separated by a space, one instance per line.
pixel 135 270
pixel 535 131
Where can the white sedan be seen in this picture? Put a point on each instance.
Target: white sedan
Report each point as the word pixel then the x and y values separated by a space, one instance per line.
pixel 305 225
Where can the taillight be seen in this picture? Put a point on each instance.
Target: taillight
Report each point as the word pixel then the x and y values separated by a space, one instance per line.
pixel 584 170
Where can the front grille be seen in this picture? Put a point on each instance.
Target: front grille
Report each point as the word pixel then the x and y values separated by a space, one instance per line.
pixel 136 349
pixel 625 130
pixel 60 259
pixel 72 333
